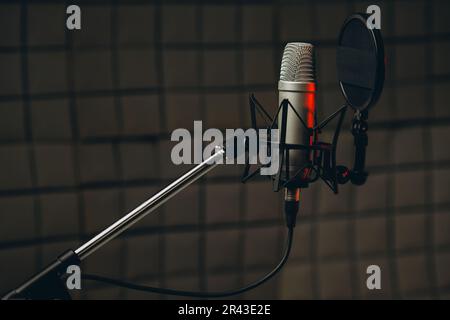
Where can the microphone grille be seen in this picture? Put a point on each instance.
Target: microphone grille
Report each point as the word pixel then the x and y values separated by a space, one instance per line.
pixel 298 63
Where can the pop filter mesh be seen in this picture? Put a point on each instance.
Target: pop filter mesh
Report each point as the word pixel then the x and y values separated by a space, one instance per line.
pixel 358 63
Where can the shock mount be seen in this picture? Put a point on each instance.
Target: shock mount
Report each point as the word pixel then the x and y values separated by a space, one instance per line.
pixel 322 163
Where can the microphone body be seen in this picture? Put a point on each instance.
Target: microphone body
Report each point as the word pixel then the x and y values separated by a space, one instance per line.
pixel 297 84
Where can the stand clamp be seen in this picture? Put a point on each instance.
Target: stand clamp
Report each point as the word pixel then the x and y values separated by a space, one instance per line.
pixel 49 284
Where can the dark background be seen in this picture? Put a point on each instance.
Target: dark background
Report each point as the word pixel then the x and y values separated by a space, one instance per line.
pixel 85 123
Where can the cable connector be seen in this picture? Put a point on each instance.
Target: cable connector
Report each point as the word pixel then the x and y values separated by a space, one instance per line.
pixel 291 201
pixel 290 211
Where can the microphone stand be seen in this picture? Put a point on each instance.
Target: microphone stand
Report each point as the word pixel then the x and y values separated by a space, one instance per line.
pixel 50 282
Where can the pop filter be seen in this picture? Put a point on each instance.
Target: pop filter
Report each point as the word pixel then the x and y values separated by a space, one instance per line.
pixel 360 62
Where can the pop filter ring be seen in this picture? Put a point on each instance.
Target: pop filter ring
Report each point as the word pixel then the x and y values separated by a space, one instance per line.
pixel 378 45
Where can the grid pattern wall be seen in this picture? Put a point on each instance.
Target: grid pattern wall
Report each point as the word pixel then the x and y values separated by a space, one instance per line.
pixel 85 123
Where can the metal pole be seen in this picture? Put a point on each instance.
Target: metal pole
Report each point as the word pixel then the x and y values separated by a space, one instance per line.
pixel 150 205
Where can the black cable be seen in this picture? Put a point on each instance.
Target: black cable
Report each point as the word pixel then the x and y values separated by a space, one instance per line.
pixel 196 294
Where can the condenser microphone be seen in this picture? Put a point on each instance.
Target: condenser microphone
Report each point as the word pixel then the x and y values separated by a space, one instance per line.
pixel 297 84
